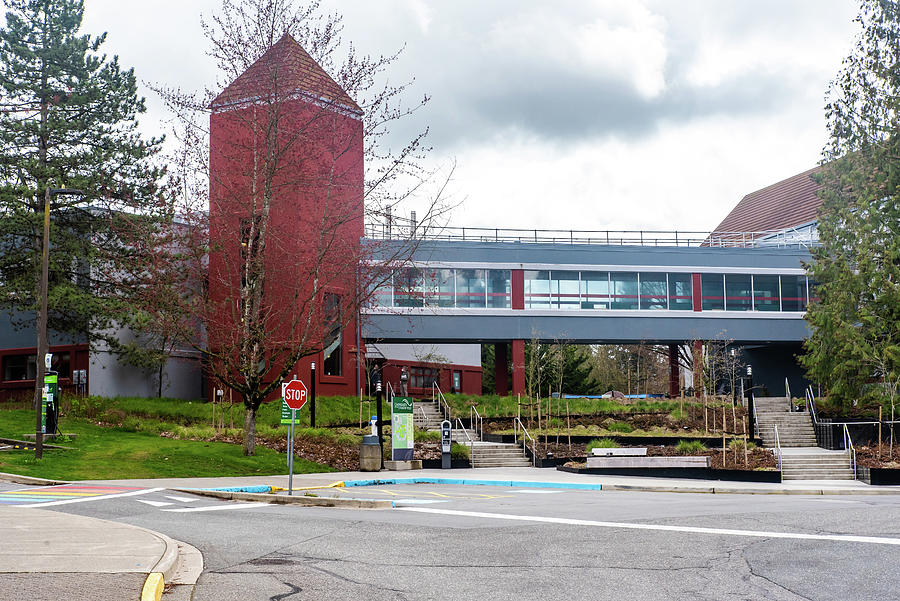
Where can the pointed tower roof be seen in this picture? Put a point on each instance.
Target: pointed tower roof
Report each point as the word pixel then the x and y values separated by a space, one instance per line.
pixel 294 70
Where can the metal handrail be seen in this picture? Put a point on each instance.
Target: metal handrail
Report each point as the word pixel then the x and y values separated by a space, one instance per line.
pixel 460 426
pixel 424 416
pixel 777 448
pixel 442 403
pixel 517 423
pixel 851 451
pixel 811 402
pixel 800 237
pixel 753 417
pixel 476 422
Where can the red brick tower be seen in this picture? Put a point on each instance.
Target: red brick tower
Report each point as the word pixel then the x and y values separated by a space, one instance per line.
pixel 286 181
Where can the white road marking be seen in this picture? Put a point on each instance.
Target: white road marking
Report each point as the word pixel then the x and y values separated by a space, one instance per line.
pixel 217 507
pixel 155 503
pixel 418 501
pixel 538 492
pixel 182 499
pixel 849 538
pixel 133 493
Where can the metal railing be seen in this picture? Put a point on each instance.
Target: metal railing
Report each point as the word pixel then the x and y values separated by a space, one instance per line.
pixel 753 417
pixel 460 426
pixel 437 397
pixel 851 452
pixel 811 404
pixel 778 450
pixel 424 416
pixel 476 422
pixel 402 229
pixel 517 423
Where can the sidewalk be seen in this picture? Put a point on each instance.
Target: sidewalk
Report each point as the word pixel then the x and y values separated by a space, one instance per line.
pixel 49 555
pixel 522 476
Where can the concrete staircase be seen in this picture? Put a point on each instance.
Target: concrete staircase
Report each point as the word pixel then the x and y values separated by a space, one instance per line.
pixel 801 458
pixel 815 464
pixel 427 416
pixel 794 429
pixel 497 454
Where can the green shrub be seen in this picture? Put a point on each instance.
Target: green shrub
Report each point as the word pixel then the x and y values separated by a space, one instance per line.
pixel 130 424
pixel 690 447
pixel 602 443
pixel 459 451
pixel 623 427
pixel 738 444
pixel 88 406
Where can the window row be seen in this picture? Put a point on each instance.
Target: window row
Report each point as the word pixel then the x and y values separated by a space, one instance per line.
pixel 464 288
pixel 574 290
pixel 672 291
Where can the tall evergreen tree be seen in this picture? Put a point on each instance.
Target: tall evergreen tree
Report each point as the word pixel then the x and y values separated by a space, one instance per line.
pixel 854 349
pixel 68 120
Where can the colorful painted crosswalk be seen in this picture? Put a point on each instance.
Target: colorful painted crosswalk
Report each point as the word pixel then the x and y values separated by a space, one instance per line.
pixel 66 492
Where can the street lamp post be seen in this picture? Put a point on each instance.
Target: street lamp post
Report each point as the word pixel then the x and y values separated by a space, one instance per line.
pixel 43 343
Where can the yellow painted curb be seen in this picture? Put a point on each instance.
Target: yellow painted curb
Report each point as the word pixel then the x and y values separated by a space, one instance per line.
pixel 153 587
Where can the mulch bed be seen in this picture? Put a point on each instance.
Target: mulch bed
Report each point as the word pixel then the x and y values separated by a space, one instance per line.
pixel 693 420
pixel 868 456
pixel 757 458
pixel 320 449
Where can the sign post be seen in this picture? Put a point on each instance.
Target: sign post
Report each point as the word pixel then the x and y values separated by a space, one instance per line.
pixel 402 443
pixel 293 396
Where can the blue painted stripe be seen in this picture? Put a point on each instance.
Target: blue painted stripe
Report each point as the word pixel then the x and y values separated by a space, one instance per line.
pixel 35 498
pixel 474 482
pixel 263 489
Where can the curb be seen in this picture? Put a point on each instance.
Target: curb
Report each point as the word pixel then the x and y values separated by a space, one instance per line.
pixel 163 570
pixel 17 479
pixel 284 499
pixel 474 482
pixel 153 587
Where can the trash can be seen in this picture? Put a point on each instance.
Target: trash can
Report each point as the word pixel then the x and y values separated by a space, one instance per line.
pixel 370 454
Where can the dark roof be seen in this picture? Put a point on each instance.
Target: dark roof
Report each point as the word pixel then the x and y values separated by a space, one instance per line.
pixel 287 66
pixel 788 203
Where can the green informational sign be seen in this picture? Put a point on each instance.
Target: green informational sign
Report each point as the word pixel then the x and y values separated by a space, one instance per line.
pixel 48 397
pixel 402 443
pixel 285 414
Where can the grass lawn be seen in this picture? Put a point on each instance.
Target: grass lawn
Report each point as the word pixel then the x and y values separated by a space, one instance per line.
pixel 100 453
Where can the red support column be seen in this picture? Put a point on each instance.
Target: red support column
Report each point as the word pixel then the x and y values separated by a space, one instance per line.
pixel 697 291
pixel 501 368
pixel 698 368
pixel 674 372
pixel 517 285
pixel 518 367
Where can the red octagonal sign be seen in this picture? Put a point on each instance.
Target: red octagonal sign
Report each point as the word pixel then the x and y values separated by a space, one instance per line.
pixel 295 394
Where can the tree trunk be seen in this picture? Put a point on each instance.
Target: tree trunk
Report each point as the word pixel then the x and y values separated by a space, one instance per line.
pixel 249 432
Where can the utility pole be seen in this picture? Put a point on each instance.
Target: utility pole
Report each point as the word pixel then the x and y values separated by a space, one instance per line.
pixel 43 342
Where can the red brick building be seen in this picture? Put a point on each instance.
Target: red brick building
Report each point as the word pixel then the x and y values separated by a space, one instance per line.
pixel 286 167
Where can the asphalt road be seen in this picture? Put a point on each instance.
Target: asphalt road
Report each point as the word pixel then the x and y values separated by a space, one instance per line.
pixel 468 542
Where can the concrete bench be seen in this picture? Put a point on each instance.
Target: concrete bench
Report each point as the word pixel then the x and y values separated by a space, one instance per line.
pixel 641 462
pixel 633 452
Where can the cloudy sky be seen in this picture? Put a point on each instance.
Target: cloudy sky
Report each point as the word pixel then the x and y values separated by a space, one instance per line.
pixel 583 114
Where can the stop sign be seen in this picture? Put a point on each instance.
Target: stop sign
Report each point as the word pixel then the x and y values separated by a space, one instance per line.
pixel 295 394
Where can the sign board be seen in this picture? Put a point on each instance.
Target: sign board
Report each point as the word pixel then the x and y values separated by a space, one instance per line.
pixel 402 443
pixel 285 408
pixel 48 398
pixel 295 394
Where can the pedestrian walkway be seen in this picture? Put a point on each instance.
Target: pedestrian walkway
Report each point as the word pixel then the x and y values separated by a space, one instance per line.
pixel 32 496
pixel 542 477
pixel 53 555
